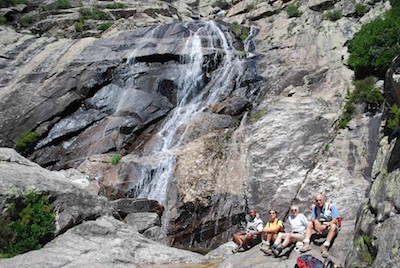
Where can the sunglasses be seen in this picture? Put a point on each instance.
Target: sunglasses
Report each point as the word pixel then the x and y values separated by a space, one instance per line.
pixel 293 210
pixel 272 213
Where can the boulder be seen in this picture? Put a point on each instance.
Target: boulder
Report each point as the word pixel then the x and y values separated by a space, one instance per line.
pixel 105 242
pixel 131 205
pixel 72 204
pixel 156 233
pixel 142 221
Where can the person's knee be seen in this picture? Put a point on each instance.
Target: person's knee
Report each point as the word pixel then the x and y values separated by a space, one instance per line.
pixel 310 225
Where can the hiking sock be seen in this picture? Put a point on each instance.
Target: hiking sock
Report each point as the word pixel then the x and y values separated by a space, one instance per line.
pixel 307 241
pixel 327 244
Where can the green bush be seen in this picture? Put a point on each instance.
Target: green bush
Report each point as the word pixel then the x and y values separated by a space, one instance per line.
pixel 394 121
pixel 293 11
pixel 29 19
pixel 115 5
pixel 103 26
pixel 94 14
pixel 62 4
pixel 240 31
pixel 79 26
pixel 26 224
pixel 361 9
pixel 26 140
pixel 373 48
pixel 333 15
pixel 115 158
pixel 365 92
pixel 9 3
pixel 348 109
pixel 3 20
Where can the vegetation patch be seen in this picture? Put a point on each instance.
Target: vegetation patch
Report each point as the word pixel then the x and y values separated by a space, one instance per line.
pixel 29 19
pixel 333 15
pixel 9 3
pixel 115 5
pixel 240 31
pixel 361 9
pixel 293 11
pixel 26 141
pixel 3 20
pixel 394 119
pixel 365 92
pixel 62 4
pixel 27 223
pixel 373 48
pixel 258 115
pixel 115 158
pixel 94 14
pixel 103 26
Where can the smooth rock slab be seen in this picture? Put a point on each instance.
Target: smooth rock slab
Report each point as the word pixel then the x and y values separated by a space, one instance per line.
pixel 105 242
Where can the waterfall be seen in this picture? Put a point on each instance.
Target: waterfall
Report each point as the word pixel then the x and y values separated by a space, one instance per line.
pixel 206 47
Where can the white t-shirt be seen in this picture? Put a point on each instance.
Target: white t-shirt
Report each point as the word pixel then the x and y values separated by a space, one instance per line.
pixel 298 223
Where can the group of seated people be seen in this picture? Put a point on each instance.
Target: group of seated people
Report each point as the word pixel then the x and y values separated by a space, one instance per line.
pixel 325 220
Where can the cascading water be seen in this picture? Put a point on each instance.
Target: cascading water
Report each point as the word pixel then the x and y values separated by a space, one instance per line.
pixel 209 72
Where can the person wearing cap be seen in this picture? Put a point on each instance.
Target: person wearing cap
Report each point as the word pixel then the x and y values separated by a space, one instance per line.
pixel 251 235
pixel 298 225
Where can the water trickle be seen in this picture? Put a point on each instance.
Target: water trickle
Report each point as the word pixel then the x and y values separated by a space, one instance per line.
pixel 209 73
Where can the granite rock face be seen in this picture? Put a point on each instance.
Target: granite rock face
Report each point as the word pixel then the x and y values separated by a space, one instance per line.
pixel 105 242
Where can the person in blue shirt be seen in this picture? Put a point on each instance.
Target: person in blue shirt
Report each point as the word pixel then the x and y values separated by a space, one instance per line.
pixel 325 221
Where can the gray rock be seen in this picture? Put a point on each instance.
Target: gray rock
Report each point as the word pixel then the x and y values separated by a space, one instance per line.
pixel 70 202
pixel 131 205
pixel 156 233
pixel 142 221
pixel 105 242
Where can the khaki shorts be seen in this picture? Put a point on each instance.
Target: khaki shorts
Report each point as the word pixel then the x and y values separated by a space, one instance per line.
pixel 299 236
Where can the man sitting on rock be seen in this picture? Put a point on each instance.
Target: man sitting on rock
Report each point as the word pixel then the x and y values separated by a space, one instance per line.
pixel 252 235
pixel 325 221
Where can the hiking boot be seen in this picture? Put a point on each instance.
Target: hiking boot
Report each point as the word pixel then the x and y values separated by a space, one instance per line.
pixel 277 251
pixel 305 248
pixel 324 252
pixel 264 247
pixel 235 250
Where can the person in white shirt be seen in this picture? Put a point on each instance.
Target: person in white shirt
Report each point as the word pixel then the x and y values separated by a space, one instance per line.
pixel 298 225
pixel 252 235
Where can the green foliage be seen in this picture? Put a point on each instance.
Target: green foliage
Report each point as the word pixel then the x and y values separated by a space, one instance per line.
pixel 94 14
pixel 373 48
pixel 29 19
pixel 394 121
pixel 293 10
pixel 115 158
pixel 115 5
pixel 239 31
pixel 26 224
pixel 348 109
pixel 369 94
pixel 361 9
pixel 257 115
pixel 365 92
pixel 103 26
pixel 3 20
pixel 333 15
pixel 26 140
pixel 9 3
pixel 79 26
pixel 249 7
pixel 395 3
pixel 62 4
pixel 228 135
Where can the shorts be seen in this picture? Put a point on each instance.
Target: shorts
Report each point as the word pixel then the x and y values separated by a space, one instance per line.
pixel 299 236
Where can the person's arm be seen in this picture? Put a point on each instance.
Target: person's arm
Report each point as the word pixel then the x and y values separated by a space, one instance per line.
pixel 335 215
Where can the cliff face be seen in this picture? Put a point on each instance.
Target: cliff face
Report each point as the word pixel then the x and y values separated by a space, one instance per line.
pixel 210 117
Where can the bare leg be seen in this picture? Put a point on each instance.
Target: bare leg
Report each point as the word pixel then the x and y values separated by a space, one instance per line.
pixel 310 227
pixel 332 232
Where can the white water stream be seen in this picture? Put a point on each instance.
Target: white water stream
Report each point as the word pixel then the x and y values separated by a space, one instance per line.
pixel 193 97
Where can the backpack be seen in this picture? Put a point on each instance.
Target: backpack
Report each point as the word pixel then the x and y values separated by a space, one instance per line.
pixel 308 261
